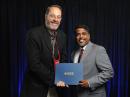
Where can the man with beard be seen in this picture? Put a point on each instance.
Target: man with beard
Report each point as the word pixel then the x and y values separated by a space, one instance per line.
pixel 46 47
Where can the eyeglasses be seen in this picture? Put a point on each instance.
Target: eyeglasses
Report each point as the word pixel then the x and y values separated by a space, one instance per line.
pixel 52 16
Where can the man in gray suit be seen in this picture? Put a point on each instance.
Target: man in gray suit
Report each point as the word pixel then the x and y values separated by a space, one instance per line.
pixel 97 66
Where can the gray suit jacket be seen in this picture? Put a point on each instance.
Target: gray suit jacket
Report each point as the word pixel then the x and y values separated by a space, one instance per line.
pixel 97 70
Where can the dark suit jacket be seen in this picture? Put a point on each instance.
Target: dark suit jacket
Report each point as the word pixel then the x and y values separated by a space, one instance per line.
pixel 40 70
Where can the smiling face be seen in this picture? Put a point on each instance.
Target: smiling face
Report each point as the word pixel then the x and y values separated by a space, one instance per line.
pixel 82 37
pixel 53 18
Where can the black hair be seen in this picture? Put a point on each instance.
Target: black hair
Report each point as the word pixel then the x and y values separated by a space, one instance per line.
pixel 82 26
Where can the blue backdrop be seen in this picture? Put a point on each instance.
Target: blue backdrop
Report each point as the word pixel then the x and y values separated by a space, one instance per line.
pixel 107 19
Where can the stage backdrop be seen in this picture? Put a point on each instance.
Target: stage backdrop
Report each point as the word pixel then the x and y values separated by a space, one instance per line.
pixel 108 20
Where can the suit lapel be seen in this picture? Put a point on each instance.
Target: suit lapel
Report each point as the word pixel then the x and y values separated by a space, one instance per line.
pixel 87 51
pixel 47 38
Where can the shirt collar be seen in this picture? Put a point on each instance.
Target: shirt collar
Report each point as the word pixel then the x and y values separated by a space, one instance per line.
pixel 86 46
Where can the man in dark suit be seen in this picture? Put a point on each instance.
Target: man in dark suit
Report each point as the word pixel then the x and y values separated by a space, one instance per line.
pixel 96 63
pixel 46 46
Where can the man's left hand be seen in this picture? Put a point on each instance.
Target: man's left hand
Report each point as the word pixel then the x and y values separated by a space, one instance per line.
pixel 84 83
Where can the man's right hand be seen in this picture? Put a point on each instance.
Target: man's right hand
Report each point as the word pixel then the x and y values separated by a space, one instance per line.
pixel 61 84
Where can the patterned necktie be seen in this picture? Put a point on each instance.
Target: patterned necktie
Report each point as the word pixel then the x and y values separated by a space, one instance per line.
pixel 80 55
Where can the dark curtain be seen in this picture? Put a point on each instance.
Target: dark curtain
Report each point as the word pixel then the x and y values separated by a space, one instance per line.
pixel 107 19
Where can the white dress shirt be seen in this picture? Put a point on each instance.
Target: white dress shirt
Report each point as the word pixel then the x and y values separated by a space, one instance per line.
pixel 76 56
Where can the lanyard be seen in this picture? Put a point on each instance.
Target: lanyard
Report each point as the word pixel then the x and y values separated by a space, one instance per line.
pixel 56 61
pixel 54 42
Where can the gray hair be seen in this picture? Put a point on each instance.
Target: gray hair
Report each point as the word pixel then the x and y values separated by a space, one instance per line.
pixel 58 6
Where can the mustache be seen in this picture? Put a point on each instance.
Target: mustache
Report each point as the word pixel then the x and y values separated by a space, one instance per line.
pixel 54 21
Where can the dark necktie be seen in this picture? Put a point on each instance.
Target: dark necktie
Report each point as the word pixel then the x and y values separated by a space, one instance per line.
pixel 80 55
pixel 55 51
pixel 54 43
